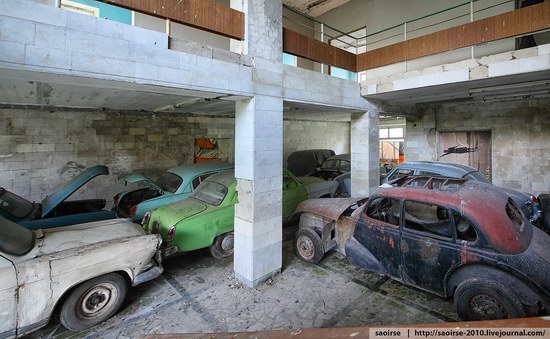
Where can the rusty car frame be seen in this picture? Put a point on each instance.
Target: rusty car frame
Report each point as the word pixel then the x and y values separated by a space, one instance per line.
pixel 449 236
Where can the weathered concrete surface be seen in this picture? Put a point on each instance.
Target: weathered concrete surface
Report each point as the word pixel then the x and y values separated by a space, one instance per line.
pixel 197 294
pixel 365 169
pixel 519 133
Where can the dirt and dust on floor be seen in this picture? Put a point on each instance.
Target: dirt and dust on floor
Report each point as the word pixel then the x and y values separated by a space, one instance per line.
pixel 199 294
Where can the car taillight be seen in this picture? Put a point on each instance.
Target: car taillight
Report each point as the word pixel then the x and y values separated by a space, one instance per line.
pixel 115 198
pixel 171 233
pixel 132 211
pixel 146 218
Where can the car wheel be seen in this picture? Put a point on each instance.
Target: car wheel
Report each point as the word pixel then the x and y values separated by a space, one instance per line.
pixel 545 207
pixel 308 245
pixel 223 246
pixel 93 302
pixel 483 299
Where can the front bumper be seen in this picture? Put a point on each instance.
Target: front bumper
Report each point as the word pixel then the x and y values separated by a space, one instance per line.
pixel 154 270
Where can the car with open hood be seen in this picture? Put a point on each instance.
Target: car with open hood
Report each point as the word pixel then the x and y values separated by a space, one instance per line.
pixel 205 219
pixel 55 210
pixel 453 237
pixel 173 185
pixel 530 205
pixel 82 270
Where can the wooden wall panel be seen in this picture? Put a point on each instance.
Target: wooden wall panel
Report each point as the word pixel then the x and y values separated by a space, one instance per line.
pixel 300 45
pixel 521 21
pixel 202 14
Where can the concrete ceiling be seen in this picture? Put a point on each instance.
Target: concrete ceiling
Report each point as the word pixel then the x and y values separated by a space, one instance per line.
pixel 516 87
pixel 34 89
pixel 314 8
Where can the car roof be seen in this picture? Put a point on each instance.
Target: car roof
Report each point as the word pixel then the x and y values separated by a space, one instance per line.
pixel 445 168
pixel 345 156
pixel 482 203
pixel 188 172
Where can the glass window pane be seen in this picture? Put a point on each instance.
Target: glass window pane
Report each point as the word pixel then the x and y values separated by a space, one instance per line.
pixel 396 132
pixel 383 133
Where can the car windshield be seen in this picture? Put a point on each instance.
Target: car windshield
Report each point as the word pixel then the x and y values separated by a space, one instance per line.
pixel 169 182
pixel 14 205
pixel 14 239
pixel 210 192
pixel 477 176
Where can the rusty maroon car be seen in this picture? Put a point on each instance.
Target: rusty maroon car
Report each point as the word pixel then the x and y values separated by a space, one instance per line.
pixel 451 237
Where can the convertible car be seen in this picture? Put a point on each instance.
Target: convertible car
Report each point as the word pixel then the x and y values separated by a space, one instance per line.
pixel 54 210
pixel 453 237
pixel 206 218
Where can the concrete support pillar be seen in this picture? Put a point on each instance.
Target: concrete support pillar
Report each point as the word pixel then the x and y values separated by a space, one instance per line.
pixel 365 169
pixel 259 146
pixel 258 169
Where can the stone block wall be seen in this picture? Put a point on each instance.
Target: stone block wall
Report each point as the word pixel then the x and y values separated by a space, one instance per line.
pixel 301 135
pixel 519 131
pixel 40 149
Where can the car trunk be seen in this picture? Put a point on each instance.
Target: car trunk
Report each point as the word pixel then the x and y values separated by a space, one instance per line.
pixel 133 198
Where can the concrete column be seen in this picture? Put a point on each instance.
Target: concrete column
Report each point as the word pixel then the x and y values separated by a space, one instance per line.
pixel 259 146
pixel 365 170
pixel 258 168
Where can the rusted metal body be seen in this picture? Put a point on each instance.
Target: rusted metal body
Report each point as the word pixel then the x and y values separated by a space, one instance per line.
pixel 485 237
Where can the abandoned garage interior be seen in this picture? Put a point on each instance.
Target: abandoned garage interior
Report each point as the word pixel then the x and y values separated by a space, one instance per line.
pixel 128 128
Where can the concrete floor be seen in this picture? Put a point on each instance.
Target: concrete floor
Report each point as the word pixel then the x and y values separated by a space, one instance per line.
pixel 198 294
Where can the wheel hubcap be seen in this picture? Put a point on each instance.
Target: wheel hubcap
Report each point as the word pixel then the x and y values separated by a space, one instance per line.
pixel 96 300
pixel 305 247
pixel 227 243
pixel 487 307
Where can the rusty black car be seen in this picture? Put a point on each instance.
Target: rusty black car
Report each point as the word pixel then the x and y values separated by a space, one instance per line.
pixel 453 237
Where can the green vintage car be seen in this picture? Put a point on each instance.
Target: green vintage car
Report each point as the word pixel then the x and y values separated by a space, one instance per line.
pixel 205 219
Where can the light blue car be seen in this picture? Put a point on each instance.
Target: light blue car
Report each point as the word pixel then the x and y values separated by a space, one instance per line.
pixel 173 185
pixel 54 210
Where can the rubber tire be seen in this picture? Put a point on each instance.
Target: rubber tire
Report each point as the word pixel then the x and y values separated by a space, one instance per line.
pixel 545 207
pixel 68 315
pixel 216 249
pixel 478 286
pixel 318 250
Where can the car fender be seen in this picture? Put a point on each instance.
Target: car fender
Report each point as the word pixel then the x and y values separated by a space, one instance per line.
pixel 149 205
pixel 44 280
pixel 526 294
pixel 326 207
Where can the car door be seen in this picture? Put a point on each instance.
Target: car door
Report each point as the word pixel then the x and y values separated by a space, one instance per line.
pixel 378 230
pixel 8 298
pixel 428 248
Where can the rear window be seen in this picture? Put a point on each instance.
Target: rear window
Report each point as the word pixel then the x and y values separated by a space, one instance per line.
pixel 169 182
pixel 210 192
pixel 14 205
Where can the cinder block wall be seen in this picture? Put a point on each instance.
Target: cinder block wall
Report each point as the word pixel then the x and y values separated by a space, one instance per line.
pixel 520 132
pixel 301 135
pixel 41 150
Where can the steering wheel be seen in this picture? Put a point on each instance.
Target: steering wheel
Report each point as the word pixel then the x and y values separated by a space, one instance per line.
pixel 381 209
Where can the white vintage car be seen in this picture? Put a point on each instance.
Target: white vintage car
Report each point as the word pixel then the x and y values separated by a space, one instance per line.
pixel 82 270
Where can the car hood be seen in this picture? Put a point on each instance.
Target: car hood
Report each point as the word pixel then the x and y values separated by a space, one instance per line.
pixel 136 178
pixel 76 236
pixel 169 215
pixel 60 194
pixel 317 187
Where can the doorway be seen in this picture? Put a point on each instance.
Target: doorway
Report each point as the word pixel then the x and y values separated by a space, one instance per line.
pixel 472 148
